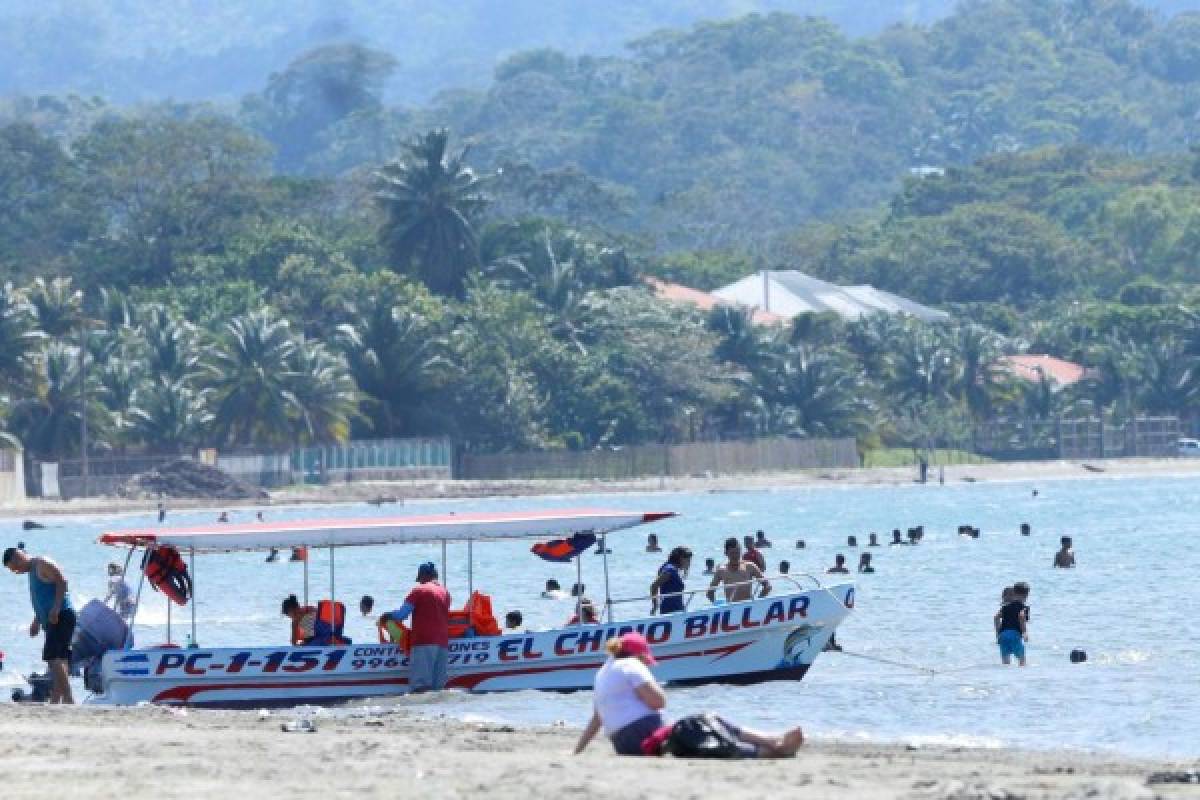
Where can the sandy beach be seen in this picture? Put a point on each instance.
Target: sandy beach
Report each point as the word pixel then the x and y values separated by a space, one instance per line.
pixel 97 752
pixel 400 491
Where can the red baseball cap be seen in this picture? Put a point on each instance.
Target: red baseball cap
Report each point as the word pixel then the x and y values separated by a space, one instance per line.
pixel 635 644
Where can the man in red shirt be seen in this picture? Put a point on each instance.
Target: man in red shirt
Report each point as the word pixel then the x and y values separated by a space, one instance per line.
pixel 429 605
pixel 753 555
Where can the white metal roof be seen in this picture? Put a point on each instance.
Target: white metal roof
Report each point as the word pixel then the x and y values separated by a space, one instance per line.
pixel 791 292
pixel 318 532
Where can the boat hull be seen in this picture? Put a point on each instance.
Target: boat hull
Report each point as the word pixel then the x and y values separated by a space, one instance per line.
pixel 773 638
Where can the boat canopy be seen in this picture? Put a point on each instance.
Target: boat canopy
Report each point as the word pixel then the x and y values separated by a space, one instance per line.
pixel 332 532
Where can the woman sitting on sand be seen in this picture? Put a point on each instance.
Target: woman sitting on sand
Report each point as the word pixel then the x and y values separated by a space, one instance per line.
pixel 627 703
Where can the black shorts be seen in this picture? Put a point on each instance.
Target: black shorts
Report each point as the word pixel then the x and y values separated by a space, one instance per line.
pixel 58 637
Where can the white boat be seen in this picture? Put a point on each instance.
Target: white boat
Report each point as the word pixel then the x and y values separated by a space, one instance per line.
pixel 772 638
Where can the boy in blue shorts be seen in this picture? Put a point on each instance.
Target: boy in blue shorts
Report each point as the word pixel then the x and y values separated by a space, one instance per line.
pixel 1011 624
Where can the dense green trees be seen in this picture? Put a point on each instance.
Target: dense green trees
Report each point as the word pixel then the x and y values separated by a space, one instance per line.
pixel 228 289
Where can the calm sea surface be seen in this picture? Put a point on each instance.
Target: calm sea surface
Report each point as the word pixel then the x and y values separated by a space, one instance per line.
pixel 1131 604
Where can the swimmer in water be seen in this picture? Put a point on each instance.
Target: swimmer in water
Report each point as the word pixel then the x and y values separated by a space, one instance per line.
pixel 839 565
pixel 553 590
pixel 864 564
pixel 1025 529
pixel 896 540
pixel 800 545
pixel 709 566
pixel 1065 557
pixel 652 544
pixel 851 541
pixel 873 541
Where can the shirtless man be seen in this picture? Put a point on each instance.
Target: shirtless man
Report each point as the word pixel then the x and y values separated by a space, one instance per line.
pixel 1065 558
pixel 737 575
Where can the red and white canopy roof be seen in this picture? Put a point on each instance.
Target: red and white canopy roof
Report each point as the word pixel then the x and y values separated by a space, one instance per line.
pixel 228 537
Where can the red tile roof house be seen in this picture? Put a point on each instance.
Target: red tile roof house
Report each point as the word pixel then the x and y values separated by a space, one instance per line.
pixel 1032 367
pixel 677 293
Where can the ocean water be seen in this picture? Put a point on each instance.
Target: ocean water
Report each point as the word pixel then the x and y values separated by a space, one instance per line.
pixel 1131 604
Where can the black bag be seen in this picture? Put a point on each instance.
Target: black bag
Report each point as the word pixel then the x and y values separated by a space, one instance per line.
pixel 701 736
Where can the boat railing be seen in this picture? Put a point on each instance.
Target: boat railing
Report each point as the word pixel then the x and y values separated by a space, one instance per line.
pixel 689 595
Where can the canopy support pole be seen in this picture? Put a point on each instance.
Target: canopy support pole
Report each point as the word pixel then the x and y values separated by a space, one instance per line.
pixel 192 643
pixel 306 577
pixel 579 586
pixel 445 577
pixel 137 600
pixel 168 620
pixel 470 569
pixel 608 604
pixel 332 572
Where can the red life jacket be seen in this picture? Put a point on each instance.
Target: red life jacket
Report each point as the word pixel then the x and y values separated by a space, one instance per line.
pixel 331 621
pixel 167 573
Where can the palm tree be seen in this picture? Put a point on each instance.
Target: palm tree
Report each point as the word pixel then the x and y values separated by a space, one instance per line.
pixel 1164 385
pixel 47 419
pixel 553 275
pixel 251 375
pixel 117 384
pixel 873 337
pixel 174 350
pixel 820 393
pixel 170 416
pixel 397 359
pixel 741 341
pixel 323 392
pixel 431 201
pixel 57 305
pixel 981 381
pixel 921 367
pixel 18 337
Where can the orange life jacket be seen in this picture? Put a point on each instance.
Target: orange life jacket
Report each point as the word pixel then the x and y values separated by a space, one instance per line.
pixel 475 618
pixel 331 620
pixel 167 573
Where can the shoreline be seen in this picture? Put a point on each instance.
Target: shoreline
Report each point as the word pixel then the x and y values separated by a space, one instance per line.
pixel 401 491
pixel 86 751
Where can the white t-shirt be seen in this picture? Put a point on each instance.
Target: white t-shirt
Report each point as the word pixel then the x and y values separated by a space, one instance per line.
pixel 119 591
pixel 615 697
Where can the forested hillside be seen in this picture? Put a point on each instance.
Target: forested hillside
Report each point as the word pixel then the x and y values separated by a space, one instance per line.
pixel 314 261
pixel 133 49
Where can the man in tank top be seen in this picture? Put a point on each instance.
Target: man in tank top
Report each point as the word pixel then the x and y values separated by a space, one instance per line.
pixel 52 612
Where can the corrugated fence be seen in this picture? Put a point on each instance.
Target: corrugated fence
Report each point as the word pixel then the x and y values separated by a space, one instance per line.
pixel 694 458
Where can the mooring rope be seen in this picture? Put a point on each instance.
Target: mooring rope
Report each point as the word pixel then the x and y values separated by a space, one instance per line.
pixel 930 671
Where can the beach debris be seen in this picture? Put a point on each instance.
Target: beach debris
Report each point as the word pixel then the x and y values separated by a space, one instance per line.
pixel 1174 776
pixel 299 725
pixel 960 790
pixel 186 478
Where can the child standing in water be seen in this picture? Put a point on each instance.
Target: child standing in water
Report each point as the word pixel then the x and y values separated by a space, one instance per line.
pixel 1011 624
